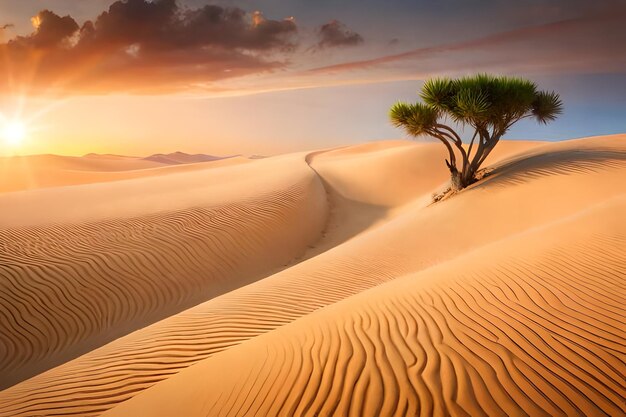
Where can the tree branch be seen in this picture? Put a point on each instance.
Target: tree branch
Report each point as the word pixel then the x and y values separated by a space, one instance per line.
pixel 488 150
pixel 469 151
pixel 483 134
pixel 456 139
pixel 449 129
pixel 452 163
pixel 513 121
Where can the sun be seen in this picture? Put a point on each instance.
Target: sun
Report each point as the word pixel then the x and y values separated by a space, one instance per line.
pixel 13 133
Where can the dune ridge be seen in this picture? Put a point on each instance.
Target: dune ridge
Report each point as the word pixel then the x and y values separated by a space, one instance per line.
pixel 377 231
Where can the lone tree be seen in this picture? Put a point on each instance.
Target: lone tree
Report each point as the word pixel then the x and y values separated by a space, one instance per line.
pixel 488 104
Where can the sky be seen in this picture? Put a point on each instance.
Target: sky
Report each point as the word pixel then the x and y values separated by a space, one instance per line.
pixel 137 77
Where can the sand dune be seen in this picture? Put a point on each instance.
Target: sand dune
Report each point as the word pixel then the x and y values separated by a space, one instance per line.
pixel 176 158
pixel 531 325
pixel 380 239
pixel 20 173
pixel 102 278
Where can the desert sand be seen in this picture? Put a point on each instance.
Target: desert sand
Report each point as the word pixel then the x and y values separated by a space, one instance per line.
pixel 317 284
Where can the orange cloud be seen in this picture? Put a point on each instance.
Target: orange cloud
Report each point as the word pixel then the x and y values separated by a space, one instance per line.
pixel 4 28
pixel 143 46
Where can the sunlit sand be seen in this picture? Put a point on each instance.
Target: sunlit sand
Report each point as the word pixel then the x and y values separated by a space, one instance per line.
pixel 315 283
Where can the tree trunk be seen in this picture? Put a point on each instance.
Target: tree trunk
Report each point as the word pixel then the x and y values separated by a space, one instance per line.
pixel 468 176
pixel 456 179
pixel 462 179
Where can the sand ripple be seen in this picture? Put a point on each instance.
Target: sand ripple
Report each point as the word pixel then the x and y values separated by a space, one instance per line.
pixel 65 289
pixel 429 311
pixel 531 326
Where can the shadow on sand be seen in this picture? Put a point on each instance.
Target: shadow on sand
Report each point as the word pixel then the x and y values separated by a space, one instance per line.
pixel 528 168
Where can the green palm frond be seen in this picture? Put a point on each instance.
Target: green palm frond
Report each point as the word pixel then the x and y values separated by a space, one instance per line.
pixel 470 104
pixel 399 114
pixel 478 100
pixel 512 97
pixel 439 93
pixel 416 119
pixel 479 82
pixel 547 106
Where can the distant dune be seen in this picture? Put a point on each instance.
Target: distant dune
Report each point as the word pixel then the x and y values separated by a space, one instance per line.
pixel 19 173
pixel 177 158
pixel 320 284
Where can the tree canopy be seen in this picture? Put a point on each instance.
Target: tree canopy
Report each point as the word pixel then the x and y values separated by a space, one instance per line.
pixel 487 104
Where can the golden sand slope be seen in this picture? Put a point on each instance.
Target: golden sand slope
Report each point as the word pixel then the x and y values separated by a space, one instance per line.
pixel 532 325
pixel 149 355
pixel 374 235
pixel 67 288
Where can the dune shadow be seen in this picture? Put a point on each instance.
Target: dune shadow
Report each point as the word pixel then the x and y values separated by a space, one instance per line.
pixel 566 162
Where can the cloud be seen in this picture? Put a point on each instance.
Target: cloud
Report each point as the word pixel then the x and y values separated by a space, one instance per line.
pixel 335 33
pixel 3 28
pixel 51 30
pixel 588 43
pixel 144 46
